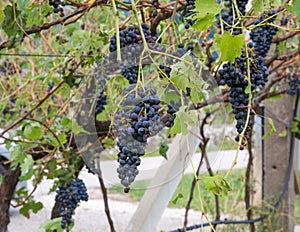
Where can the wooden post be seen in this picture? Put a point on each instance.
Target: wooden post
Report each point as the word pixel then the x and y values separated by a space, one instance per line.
pixel 275 163
pixel 164 183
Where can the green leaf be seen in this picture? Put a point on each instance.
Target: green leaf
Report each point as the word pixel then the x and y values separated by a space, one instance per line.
pixel 166 94
pixel 66 123
pixel 248 88
pixel 163 148
pixel 258 6
pixel 27 168
pixel 30 205
pixel 182 120
pixel 272 129
pixel 295 8
pixel 108 142
pixel 77 129
pixel 282 134
pixel 13 24
pixel 180 73
pixel 52 225
pixel 272 126
pixel 216 184
pixel 179 196
pixel 230 46
pixel 33 132
pixel 62 138
pixel 294 126
pixel 204 8
pixel 17 156
pixel 201 24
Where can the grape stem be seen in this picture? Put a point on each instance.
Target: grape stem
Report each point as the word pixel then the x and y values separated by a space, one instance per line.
pixel 139 24
pixel 116 14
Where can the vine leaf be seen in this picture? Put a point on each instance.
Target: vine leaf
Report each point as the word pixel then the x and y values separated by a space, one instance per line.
pixel 185 74
pixel 13 23
pixel 205 14
pixel 27 168
pixel 163 148
pixel 179 196
pixel 272 129
pixel 295 9
pixel 182 120
pixel 33 132
pixel 17 156
pixel 180 73
pixel 258 6
pixel 216 184
pixel 282 134
pixel 230 46
pixel 52 225
pixel 31 205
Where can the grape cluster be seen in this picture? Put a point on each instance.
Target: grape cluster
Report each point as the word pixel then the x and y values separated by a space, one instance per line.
pixel 57 6
pixel 229 15
pixel 171 111
pixel 293 81
pixel 132 46
pixel 131 36
pixel 130 72
pixel 190 6
pixel 262 35
pixel 144 122
pixel 284 21
pixel 234 75
pixel 100 103
pixel 68 197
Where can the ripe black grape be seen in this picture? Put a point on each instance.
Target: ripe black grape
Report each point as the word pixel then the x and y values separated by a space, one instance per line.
pixel 230 16
pixel 68 197
pixel 262 36
pixel 131 36
pixel 190 6
pixel 284 21
pixel 132 46
pixel 57 6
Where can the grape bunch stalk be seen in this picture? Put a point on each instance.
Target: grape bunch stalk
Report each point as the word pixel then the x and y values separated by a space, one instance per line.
pixel 235 75
pixel 68 197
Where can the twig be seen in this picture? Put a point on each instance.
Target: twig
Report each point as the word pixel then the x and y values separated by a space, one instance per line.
pixel 105 198
pixel 285 37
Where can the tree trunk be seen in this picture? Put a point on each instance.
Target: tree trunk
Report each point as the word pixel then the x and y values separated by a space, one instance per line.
pixel 7 189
